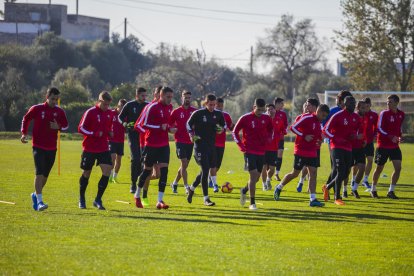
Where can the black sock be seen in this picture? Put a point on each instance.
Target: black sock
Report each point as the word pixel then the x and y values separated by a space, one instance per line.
pixel 143 177
pixel 163 179
pixel 102 184
pixel 145 193
pixel 83 183
pixel 245 190
pixel 252 201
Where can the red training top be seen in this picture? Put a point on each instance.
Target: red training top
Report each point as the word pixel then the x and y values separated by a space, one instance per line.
pixel 307 124
pixel 389 125
pixel 156 115
pixel 281 124
pixel 221 137
pixel 178 119
pixel 371 121
pixel 43 136
pixel 118 128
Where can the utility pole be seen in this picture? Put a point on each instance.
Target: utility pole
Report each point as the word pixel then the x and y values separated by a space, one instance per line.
pixel 251 59
pixel 77 10
pixel 125 28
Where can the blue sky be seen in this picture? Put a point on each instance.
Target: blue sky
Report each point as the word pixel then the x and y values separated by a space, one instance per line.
pixel 226 28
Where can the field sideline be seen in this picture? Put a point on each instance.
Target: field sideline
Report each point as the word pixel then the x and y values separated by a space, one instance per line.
pixel 365 236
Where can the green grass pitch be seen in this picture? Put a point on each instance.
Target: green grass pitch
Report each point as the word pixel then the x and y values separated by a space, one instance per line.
pixel 365 236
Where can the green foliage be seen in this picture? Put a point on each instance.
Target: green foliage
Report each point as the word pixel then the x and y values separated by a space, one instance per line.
pixel 363 237
pixel 72 91
pixel 124 91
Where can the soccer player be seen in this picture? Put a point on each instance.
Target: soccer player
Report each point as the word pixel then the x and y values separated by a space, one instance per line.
pixel 308 138
pixel 96 127
pixel 116 143
pixel 220 144
pixel 128 116
pixel 388 140
pixel 184 145
pixel 257 131
pixel 202 127
pixel 358 150
pixel 48 119
pixel 305 169
pixel 341 130
pixel 157 148
pixel 271 152
pixel 281 131
pixel 371 121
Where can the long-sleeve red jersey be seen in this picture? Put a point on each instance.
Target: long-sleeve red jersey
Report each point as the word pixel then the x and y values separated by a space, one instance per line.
pixel 257 131
pixel 42 114
pixel 118 129
pixel 274 144
pixel 307 124
pixel 360 143
pixel 94 121
pixel 389 125
pixel 156 115
pixel 221 137
pixel 281 124
pixel 178 119
pixel 371 121
pixel 342 129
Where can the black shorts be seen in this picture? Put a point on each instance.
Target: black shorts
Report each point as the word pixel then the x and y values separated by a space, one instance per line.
pixel 88 159
pixel 270 158
pixel 342 159
pixel 318 159
pixel 44 160
pixel 220 155
pixel 184 151
pixel 153 155
pixel 369 149
pixel 281 144
pixel 254 162
pixel 116 148
pixel 206 157
pixel 382 155
pixel 301 162
pixel 358 156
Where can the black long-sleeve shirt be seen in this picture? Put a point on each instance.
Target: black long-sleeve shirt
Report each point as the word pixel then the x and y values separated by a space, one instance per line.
pixel 130 112
pixel 203 124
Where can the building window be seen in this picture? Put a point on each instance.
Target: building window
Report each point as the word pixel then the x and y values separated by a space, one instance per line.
pixel 35 16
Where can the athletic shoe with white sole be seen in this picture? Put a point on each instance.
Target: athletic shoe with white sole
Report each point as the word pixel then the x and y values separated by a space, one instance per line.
pixel 34 201
pixel 41 206
pixel 252 207
pixel 99 205
pixel 316 203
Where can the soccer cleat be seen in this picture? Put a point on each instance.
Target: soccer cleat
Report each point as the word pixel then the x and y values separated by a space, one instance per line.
pixel 392 195
pixel 111 179
pixel 210 184
pixel 145 202
pixel 325 191
pixel 162 205
pixel 208 202
pixel 277 177
pixel 345 194
pixel 133 188
pixel 316 203
pixel 252 207
pixel 299 187
pixel 339 202
pixel 374 194
pixel 34 200
pixel 366 184
pixel 174 188
pixel 41 206
pixel 82 205
pixel 99 205
pixel 276 194
pixel 243 198
pixel 190 195
pixel 355 194
pixel 216 188
pixel 138 202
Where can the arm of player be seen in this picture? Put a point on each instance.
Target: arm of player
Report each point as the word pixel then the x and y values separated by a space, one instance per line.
pixel 84 126
pixel 27 118
pixel 122 117
pixel 63 121
pixel 236 135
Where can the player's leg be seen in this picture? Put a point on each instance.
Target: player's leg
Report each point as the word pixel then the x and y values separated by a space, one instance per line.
pixel 264 176
pixel 369 153
pixel 163 159
pixel 133 141
pixel 148 162
pixel 270 172
pixel 216 160
pixel 279 158
pixel 113 158
pixel 302 178
pixel 314 202
pixel 118 162
pixel 251 166
pixel 105 163
pixel 396 159
pixel 87 161
pixel 298 165
pixel 341 172
pixel 254 178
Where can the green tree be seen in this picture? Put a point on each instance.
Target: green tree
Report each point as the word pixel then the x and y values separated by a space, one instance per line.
pixel 124 91
pixel 291 46
pixel 72 91
pixel 377 43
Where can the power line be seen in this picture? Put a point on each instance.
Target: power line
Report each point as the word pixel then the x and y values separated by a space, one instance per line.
pixel 149 39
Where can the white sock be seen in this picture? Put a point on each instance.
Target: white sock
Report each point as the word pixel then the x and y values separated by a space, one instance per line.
pixel 115 174
pixel 373 188
pixel 160 196
pixel 391 189
pixel 280 186
pixel 268 179
pixel 366 178
pixel 39 198
pixel 277 172
pixel 264 183
pixel 312 197
pixel 138 192
pixel 355 187
pixel 353 178
pixel 192 188
pixel 174 183
pixel 345 188
pixel 214 180
pixel 302 179
pixel 112 172
pixel 205 198
pixel 185 185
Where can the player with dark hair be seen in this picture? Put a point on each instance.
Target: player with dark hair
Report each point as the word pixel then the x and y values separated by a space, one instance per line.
pixel 281 131
pixel 308 138
pixel 116 143
pixel 184 145
pixel 271 152
pixel 388 140
pixel 202 127
pixel 257 131
pixel 341 130
pixel 48 120
pixel 157 148
pixel 96 127
pixel 128 116
pixel 371 121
